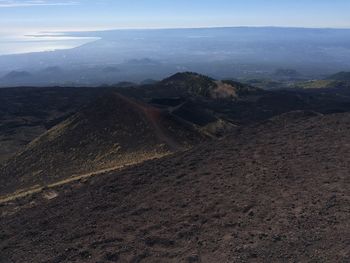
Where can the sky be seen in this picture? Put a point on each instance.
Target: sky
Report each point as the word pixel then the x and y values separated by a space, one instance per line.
pixel 78 15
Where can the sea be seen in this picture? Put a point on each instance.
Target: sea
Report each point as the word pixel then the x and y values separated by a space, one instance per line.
pixel 20 43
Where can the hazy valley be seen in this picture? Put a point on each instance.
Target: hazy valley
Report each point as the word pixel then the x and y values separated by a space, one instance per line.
pixel 222 53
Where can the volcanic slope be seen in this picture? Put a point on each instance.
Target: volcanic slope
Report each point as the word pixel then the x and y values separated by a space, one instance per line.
pixel 109 133
pixel 26 113
pixel 273 192
pixel 191 84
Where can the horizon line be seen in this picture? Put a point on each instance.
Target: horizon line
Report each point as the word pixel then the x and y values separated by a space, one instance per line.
pixel 196 27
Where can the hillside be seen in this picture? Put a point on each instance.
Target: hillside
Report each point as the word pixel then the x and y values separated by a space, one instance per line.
pixel 323 84
pixel 26 113
pixel 277 191
pixel 190 84
pixel 111 132
pixel 341 76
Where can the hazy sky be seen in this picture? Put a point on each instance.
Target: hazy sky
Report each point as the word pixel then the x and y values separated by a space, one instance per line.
pixel 100 14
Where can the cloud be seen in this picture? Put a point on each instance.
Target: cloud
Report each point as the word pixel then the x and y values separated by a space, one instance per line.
pixel 31 3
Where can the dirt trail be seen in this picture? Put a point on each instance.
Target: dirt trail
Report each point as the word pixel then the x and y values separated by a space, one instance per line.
pixel 22 193
pixel 37 189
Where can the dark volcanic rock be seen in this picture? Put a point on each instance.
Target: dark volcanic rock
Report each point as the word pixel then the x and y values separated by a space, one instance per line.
pixel 274 192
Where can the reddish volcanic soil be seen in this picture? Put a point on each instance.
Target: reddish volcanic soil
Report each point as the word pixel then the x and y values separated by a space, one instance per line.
pixel 154 117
